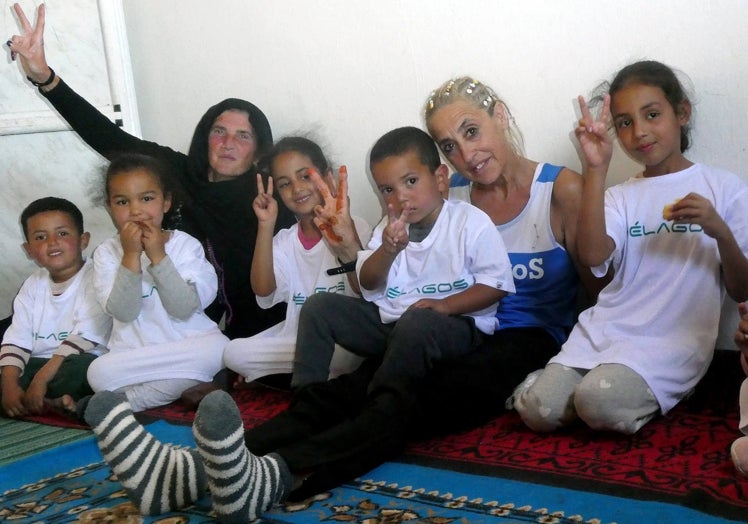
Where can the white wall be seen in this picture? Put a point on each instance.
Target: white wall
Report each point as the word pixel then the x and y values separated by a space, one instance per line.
pixel 351 71
pixel 38 155
pixel 354 70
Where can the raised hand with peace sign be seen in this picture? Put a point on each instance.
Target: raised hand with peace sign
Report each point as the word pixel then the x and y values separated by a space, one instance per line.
pixel 594 139
pixel 29 47
pixel 262 275
pixel 264 205
pixel 333 216
pixel 596 150
pixel 395 236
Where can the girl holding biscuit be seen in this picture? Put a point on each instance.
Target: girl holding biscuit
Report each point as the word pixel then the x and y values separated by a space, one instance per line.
pixel 674 237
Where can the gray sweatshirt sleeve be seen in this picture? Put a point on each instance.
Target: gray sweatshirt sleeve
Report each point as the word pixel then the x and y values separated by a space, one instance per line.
pixel 179 297
pixel 125 299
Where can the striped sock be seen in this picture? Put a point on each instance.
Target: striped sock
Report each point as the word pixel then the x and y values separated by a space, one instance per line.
pixel 242 485
pixel 157 477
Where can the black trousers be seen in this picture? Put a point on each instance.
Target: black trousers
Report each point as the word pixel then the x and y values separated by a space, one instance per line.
pixel 335 431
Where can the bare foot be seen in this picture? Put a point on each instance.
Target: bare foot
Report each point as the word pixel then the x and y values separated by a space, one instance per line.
pixel 239 382
pixel 64 404
pixel 739 453
pixel 191 397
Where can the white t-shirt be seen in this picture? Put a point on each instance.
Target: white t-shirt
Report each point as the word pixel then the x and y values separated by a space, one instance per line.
pixel 301 272
pixel 42 321
pixel 461 250
pixel 660 314
pixel 153 324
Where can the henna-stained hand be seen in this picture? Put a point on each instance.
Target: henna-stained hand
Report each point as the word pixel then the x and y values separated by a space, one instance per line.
pixel 333 217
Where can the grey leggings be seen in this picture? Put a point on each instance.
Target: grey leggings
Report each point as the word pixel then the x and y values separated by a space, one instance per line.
pixel 609 397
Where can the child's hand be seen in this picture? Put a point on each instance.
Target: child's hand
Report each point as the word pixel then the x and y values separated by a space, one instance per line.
pixel 437 305
pixel 741 336
pixel 34 397
pixel 395 235
pixel 131 237
pixel 13 400
pixel 695 209
pixel 264 205
pixel 594 140
pixel 333 218
pixel 154 242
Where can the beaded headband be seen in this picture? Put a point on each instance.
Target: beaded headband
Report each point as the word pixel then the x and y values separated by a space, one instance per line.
pixel 486 102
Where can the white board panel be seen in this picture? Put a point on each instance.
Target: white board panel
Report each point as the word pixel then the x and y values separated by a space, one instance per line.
pixel 85 42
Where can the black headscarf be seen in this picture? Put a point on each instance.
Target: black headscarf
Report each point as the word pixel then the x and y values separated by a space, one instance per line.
pixel 220 215
pixel 199 147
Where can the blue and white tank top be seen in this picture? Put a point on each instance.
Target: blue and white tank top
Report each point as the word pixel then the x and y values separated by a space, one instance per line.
pixel 544 274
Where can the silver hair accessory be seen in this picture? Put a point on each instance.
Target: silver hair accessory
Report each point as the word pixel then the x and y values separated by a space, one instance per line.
pixel 430 103
pixel 490 97
pixel 448 90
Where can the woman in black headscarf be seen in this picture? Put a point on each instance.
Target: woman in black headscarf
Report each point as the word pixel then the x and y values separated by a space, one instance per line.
pixel 216 180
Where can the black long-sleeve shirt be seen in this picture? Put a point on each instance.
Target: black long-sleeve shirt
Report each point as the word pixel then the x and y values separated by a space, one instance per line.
pixel 219 214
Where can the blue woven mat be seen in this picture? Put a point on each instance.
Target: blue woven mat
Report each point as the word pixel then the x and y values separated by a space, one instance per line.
pixel 72 484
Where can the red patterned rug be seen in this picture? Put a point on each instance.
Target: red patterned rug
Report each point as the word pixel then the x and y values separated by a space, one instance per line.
pixel 256 403
pixel 682 458
pixel 51 417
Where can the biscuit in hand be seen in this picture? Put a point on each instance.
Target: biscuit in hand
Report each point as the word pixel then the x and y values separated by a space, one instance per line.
pixel 667 211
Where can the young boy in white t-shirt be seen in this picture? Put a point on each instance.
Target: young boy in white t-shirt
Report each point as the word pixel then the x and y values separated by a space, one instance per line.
pixel 432 276
pixel 58 328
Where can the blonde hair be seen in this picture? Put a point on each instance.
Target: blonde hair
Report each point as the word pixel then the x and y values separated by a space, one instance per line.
pixel 479 96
